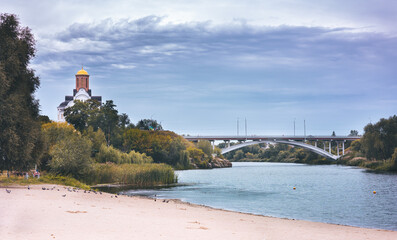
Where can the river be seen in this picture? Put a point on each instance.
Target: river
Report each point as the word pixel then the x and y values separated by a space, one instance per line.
pixel 323 193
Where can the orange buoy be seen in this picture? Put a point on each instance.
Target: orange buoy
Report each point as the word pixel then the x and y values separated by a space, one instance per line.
pixel 294 188
pixel 374 192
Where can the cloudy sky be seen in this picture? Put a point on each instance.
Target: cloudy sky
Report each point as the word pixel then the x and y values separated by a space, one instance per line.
pixel 198 67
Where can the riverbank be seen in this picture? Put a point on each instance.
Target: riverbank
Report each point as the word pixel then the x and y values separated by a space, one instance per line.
pixel 64 214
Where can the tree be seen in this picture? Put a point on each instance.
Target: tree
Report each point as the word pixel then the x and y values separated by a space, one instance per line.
pixel 124 121
pixel 83 113
pixel 205 146
pixel 148 124
pixel 53 133
pixel 72 157
pixel 380 139
pixel 238 155
pixel 108 119
pixel 97 138
pixel 90 113
pixel 20 138
pixel 353 133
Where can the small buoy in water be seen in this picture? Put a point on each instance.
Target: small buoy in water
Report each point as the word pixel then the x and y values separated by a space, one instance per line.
pixel 374 192
pixel 294 188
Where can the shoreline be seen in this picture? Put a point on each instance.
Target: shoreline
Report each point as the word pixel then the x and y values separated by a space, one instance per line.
pixel 46 213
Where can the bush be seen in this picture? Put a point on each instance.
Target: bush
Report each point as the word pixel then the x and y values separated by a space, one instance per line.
pixel 71 157
pixel 110 154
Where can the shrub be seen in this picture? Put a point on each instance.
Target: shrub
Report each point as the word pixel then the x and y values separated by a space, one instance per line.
pixel 110 154
pixel 71 157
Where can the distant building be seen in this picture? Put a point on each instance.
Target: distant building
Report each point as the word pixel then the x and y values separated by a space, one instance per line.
pixel 81 93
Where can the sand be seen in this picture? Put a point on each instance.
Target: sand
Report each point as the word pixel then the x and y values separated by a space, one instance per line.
pixel 46 214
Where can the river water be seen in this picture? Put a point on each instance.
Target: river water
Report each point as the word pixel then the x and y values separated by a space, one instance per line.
pixel 325 193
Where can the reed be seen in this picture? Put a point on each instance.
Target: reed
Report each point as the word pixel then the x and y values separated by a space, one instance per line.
pixel 139 175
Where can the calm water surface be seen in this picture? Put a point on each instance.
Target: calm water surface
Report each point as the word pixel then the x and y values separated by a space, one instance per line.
pixel 328 193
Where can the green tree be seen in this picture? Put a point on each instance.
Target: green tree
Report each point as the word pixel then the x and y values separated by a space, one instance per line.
pixel 238 155
pixel 108 119
pixel 20 138
pixel 124 121
pixel 148 124
pixel 353 133
pixel 97 139
pixel 72 157
pixel 380 139
pixel 205 146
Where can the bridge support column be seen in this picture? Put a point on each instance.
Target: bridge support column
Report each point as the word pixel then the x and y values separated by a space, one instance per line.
pixel 329 148
pixel 315 143
pixel 337 148
pixel 343 148
pixel 324 142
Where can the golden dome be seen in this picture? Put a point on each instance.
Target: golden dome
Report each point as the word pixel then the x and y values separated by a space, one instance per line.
pixel 82 72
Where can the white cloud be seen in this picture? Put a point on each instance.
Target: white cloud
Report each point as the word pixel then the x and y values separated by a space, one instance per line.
pixel 124 66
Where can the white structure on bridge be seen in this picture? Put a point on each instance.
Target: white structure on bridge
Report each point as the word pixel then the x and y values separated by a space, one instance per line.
pixel 299 141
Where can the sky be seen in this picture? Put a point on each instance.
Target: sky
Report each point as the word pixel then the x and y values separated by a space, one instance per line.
pixel 201 67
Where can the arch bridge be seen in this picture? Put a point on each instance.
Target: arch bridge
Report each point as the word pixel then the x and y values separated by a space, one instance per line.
pixel 299 141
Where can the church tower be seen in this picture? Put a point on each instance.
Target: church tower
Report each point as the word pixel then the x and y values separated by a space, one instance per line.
pixel 82 80
pixel 82 92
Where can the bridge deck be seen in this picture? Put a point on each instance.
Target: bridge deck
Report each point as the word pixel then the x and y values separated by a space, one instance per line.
pixel 272 138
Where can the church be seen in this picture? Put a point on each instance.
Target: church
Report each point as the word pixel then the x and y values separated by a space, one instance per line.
pixel 81 93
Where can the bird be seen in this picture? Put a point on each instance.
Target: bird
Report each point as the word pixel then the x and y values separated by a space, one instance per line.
pixel 164 200
pixel 8 191
pixel 111 196
pixel 64 195
pixel 43 188
pixel 85 191
pixel 28 187
pixel 115 196
pixel 155 200
pixel 100 193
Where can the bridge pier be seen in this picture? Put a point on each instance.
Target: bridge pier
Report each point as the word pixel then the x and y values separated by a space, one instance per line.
pixel 329 148
pixel 337 148
pixel 343 148
pixel 213 144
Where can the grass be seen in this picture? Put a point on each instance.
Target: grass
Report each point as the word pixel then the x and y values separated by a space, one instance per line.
pixel 46 179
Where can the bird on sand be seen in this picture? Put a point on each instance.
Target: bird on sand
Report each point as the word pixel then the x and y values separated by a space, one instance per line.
pixel 8 191
pixel 64 195
pixel 43 188
pixel 28 187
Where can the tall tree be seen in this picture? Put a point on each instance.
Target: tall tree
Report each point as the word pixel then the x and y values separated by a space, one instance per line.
pixel 20 138
pixel 148 124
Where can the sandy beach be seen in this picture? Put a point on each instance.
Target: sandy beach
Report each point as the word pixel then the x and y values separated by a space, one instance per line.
pixel 49 214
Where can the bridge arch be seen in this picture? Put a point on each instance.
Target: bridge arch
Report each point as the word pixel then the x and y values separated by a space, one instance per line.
pixel 293 143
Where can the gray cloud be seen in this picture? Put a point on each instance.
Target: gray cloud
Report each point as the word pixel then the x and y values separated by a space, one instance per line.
pixel 149 62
